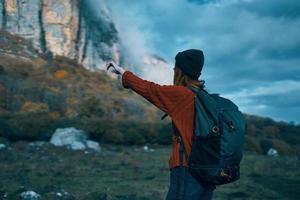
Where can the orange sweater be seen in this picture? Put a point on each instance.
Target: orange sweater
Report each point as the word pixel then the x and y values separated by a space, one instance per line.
pixel 176 101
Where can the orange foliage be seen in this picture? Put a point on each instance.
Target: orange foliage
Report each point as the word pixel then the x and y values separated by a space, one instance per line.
pixel 54 115
pixel 29 106
pixel 72 101
pixel 60 74
pixel 271 131
pixel 70 113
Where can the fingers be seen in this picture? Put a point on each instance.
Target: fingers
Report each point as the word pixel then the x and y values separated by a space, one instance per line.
pixel 109 64
pixel 116 69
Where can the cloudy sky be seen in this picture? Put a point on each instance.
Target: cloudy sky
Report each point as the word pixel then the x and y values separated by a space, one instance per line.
pixel 251 47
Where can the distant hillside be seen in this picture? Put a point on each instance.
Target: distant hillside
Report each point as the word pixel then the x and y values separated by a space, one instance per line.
pixel 39 93
pixel 264 132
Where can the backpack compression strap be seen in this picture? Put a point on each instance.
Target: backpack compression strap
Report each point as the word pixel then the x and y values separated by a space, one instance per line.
pixel 182 149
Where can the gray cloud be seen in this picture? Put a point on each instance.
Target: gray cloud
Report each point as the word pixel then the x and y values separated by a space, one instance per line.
pixel 248 44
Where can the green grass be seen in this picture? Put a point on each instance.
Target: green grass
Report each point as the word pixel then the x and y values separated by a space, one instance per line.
pixel 128 172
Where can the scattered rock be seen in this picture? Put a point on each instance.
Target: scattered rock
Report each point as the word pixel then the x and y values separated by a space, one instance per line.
pixel 147 149
pixel 29 195
pixel 78 145
pixel 93 145
pixel 3 194
pixel 272 152
pixel 74 139
pixel 59 194
pixel 38 143
pixel 2 146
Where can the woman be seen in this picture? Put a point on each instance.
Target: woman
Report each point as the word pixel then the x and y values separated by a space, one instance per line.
pixel 177 101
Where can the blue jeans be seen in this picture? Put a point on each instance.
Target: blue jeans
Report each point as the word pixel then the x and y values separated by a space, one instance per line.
pixel 183 186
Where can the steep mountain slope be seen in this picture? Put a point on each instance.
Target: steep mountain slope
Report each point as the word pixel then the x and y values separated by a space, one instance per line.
pixel 69 28
pixel 39 94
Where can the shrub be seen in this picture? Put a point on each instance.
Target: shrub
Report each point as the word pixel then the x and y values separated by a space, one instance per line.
pixel 2 70
pixel 113 136
pixel 93 126
pixel 164 133
pixel 134 135
pixel 55 115
pixel 60 74
pixel 29 126
pixel 2 96
pixel 266 144
pixel 125 131
pixel 55 101
pixel 252 144
pixel 115 131
pixel 271 131
pixel 29 106
pixel 64 122
pixel 7 131
pixel 91 107
pixel 282 147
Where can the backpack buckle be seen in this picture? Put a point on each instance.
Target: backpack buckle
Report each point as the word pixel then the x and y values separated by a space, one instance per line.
pixel 215 131
pixel 225 175
pixel 177 138
pixel 231 125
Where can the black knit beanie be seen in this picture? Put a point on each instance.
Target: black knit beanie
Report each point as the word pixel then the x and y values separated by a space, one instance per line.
pixel 190 62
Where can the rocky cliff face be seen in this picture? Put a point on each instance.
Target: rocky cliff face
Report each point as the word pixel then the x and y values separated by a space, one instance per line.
pixel 68 28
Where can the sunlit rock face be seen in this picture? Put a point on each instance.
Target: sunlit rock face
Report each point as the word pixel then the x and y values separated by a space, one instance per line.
pixel 61 23
pixel 71 28
pixel 22 18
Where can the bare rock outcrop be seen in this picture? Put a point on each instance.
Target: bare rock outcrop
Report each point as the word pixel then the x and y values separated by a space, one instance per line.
pixel 70 28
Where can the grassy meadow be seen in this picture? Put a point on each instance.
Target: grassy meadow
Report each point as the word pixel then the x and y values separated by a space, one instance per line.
pixel 129 173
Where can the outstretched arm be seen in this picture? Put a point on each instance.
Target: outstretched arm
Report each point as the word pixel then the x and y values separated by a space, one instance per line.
pixel 167 98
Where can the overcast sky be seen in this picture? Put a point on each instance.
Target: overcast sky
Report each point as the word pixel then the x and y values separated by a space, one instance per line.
pixel 251 47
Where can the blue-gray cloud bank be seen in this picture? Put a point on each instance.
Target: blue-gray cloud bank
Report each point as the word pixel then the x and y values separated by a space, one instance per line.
pixel 252 47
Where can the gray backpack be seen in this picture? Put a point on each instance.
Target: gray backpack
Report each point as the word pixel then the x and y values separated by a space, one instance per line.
pixel 217 146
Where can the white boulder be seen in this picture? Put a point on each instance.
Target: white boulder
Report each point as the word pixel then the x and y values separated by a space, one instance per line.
pixel 2 146
pixel 93 145
pixel 67 136
pixel 78 145
pixel 272 152
pixel 74 139
pixel 59 194
pixel 30 195
pixel 147 149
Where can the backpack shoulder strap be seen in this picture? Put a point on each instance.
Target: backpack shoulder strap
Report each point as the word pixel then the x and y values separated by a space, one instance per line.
pixel 205 103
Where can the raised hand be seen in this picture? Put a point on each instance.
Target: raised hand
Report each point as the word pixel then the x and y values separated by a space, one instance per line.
pixel 115 68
